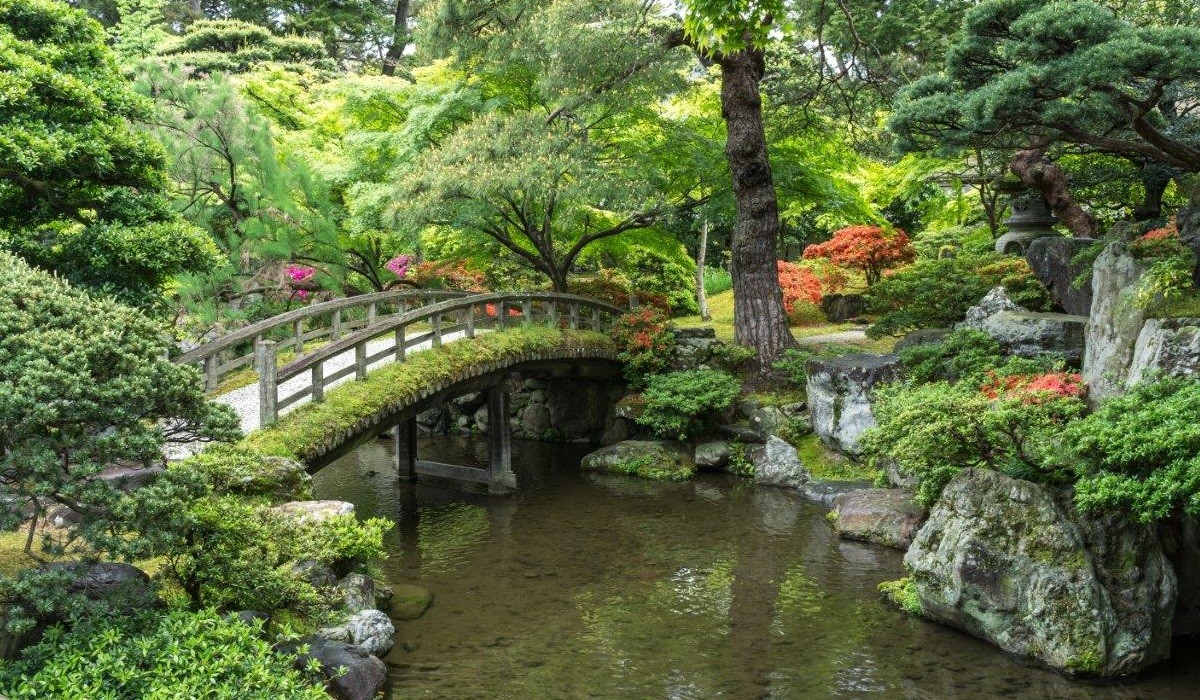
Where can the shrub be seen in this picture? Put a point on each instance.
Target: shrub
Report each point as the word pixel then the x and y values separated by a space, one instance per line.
pixel 866 248
pixel 799 285
pixel 1140 452
pixel 934 430
pixel 937 293
pixel 717 280
pixel 452 274
pixel 178 655
pixel 613 287
pixel 803 313
pixel 793 363
pixel 961 240
pixel 963 354
pixel 644 344
pixel 677 403
pixel 674 278
pixel 1033 388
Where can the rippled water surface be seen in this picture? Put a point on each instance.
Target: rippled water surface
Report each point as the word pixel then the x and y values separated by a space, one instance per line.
pixel 582 586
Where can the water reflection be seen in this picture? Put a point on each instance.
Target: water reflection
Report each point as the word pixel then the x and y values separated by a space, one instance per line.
pixel 611 587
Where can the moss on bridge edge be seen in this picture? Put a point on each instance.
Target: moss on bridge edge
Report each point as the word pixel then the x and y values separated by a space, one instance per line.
pixel 308 431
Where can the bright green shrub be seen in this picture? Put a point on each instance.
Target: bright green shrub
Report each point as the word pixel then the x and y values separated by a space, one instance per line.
pixel 934 430
pixel 963 354
pixel 1140 452
pixel 717 280
pixel 793 363
pixel 671 276
pixel 959 240
pixel 178 655
pixel 677 403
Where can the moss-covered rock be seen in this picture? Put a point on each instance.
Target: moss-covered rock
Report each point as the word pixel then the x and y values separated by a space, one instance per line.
pixel 883 516
pixel 648 459
pixel 408 601
pixel 1013 563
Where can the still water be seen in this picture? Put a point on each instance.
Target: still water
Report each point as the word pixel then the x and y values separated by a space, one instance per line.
pixel 586 586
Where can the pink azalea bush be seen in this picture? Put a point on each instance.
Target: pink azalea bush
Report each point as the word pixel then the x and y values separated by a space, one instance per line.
pixel 399 265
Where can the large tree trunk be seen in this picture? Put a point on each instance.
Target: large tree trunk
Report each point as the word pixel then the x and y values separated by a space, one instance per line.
pixel 1039 172
pixel 399 38
pixel 1155 179
pixel 758 316
pixel 701 254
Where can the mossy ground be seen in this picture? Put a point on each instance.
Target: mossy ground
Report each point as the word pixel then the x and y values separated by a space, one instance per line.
pixel 826 465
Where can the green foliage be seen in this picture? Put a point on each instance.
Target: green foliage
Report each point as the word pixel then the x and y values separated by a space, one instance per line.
pixel 301 433
pixel 1138 452
pixel 902 594
pixel 739 463
pixel 964 354
pixel 936 293
pixel 342 542
pixel 671 276
pixel 181 654
pixel 934 430
pixel 239 471
pixel 717 280
pixel 677 403
pixel 645 344
pixel 958 240
pixel 793 363
pixel 234 46
pixel 81 192
pixel 84 384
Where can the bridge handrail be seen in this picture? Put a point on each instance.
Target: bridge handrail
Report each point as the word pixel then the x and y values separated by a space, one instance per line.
pixel 271 376
pixel 209 352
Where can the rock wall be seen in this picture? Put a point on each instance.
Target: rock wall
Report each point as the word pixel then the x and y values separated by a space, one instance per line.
pixel 1114 324
pixel 1166 346
pixel 1010 562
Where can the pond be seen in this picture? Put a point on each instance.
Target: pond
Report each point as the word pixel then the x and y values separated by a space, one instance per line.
pixel 587 586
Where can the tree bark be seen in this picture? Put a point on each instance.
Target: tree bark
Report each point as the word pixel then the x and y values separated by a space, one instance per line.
pixel 701 254
pixel 1043 175
pixel 758 315
pixel 1155 179
pixel 399 38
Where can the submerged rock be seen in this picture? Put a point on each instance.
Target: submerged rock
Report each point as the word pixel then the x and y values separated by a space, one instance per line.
pixel 777 464
pixel 408 602
pixel 840 392
pixel 648 459
pixel 883 516
pixel 1006 561
pixel 350 671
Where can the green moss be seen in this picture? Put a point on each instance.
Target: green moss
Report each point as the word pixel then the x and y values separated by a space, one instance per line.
pixel 1086 663
pixel 902 594
pixel 826 465
pixel 655 469
pixel 831 517
pixel 303 433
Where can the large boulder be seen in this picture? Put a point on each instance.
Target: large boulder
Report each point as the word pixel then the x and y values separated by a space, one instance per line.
pixel 114 585
pixel 777 463
pixel 1114 324
pixel 358 592
pixel 921 336
pixel 1168 347
pixel 1052 260
pixel 351 673
pixel 843 307
pixel 714 454
pixel 1027 333
pixel 840 390
pixel 372 630
pixel 649 459
pixel 883 516
pixel 1013 563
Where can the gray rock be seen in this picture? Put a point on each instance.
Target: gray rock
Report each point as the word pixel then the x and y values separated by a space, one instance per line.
pixel 372 630
pixel 1114 324
pixel 991 304
pixel 1031 334
pixel 921 336
pixel 712 455
pixel 883 516
pixel 579 408
pixel 649 459
pixel 315 573
pixel 408 601
pixel 1051 257
pixel 843 307
pixel 1167 347
pixel 618 430
pixel 840 392
pixel 314 511
pixel 777 464
pixel 131 478
pixel 534 420
pixel 826 492
pixel 358 592
pixel 1009 562
pixel 364 675
pixel 340 633
pixel 740 433
pixel 252 618
pixel 480 419
pixel 768 420
pixel 695 333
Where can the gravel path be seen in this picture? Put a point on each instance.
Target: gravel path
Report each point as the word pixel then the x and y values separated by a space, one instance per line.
pixel 852 336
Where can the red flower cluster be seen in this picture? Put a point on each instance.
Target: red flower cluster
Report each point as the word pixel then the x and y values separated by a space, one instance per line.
pixel 1034 388
pixel 798 284
pixel 447 275
pixel 640 330
pixel 1160 234
pixel 491 311
pixel 866 248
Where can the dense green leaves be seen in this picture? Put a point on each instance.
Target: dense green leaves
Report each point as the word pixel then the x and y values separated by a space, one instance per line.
pixel 678 403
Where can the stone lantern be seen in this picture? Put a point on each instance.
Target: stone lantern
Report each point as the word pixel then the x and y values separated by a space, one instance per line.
pixel 1030 219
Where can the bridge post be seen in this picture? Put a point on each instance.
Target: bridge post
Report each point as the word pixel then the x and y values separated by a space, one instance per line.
pixel 212 364
pixel 471 321
pixel 406 449
pixel 268 388
pixel 502 479
pixel 574 310
pixel 436 322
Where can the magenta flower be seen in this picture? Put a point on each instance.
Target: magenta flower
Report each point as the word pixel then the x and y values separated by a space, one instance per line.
pixel 302 294
pixel 299 273
pixel 399 265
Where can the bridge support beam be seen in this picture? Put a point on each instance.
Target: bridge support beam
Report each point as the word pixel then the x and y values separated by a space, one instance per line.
pixel 502 478
pixel 406 449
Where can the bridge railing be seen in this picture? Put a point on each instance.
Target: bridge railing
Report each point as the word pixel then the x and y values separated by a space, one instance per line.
pixel 389 338
pixel 328 320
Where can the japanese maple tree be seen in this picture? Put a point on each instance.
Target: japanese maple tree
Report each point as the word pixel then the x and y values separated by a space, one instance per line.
pixel 866 248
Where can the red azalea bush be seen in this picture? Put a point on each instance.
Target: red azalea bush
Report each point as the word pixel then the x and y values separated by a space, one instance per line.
pixel 1034 388
pixel 866 248
pixel 799 285
pixel 612 287
pixel 453 274
pixel 644 343
pixel 491 311
pixel 1160 234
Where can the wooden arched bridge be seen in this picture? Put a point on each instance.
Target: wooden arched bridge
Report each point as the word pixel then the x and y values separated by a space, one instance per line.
pixel 300 355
